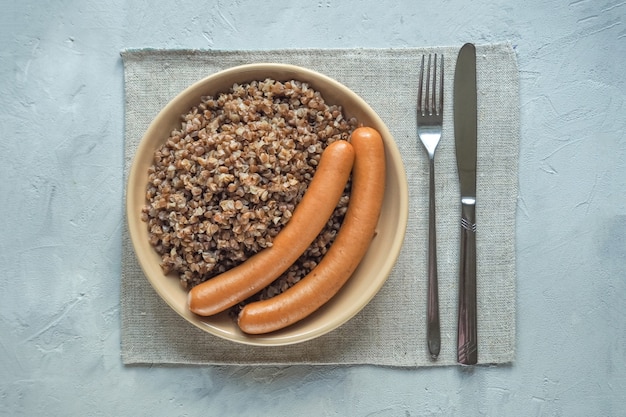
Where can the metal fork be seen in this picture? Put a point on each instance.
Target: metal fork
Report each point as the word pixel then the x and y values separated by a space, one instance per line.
pixel 429 126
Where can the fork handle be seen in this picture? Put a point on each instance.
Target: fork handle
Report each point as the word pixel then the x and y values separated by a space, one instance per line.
pixel 433 332
pixel 467 347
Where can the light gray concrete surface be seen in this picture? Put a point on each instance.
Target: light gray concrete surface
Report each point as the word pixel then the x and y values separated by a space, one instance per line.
pixel 61 118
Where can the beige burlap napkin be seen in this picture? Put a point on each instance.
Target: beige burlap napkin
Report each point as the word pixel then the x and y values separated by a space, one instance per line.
pixel 391 330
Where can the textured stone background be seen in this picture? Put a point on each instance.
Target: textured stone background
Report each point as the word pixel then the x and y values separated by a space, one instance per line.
pixel 61 156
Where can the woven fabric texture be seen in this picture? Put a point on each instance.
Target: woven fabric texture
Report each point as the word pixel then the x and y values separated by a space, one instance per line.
pixel 391 330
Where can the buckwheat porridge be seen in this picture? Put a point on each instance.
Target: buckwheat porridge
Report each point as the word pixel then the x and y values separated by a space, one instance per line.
pixel 225 183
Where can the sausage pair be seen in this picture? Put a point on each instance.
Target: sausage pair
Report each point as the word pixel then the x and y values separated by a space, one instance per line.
pixel 364 156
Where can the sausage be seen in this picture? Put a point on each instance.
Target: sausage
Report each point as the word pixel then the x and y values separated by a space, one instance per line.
pixel 308 219
pixel 344 255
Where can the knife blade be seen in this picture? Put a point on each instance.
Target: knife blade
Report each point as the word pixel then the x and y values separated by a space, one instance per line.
pixel 465 133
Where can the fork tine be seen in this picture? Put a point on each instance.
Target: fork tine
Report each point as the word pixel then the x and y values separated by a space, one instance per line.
pixel 420 87
pixel 434 102
pixel 429 98
pixel 440 107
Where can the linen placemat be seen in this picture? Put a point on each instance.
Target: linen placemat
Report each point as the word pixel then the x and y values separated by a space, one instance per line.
pixel 391 330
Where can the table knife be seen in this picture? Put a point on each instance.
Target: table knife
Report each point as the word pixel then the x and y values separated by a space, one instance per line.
pixel 465 133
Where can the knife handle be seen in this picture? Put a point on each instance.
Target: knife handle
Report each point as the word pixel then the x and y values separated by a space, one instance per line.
pixel 467 346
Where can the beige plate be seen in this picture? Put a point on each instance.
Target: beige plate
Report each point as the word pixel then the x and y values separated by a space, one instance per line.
pixel 374 268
